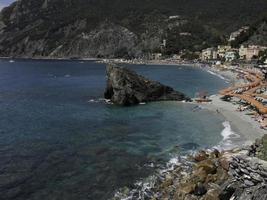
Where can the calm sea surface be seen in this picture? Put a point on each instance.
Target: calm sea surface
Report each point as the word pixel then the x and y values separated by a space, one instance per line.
pixel 57 144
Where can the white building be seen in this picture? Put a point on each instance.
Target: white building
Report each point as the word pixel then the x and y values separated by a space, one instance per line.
pixel 230 56
pixel 209 54
pixel 156 56
pixel 242 52
pixel 222 49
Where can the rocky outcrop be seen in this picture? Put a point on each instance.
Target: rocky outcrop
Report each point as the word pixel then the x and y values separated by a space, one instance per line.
pixel 249 172
pixel 250 179
pixel 237 174
pixel 125 87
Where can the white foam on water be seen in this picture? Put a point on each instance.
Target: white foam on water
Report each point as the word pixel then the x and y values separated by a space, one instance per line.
pixel 218 75
pixel 92 101
pixel 101 100
pixel 108 101
pixel 144 188
pixel 227 131
pixel 228 134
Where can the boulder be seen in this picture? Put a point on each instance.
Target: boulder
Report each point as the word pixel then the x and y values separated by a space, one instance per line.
pixel 187 188
pixel 200 189
pixel 200 175
pixel 212 195
pixel 228 158
pixel 208 166
pixel 215 153
pixel 125 87
pixel 224 163
pixel 227 193
pixel 200 156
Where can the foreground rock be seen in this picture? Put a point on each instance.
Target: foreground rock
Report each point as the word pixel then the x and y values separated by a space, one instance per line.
pixel 237 174
pixel 125 87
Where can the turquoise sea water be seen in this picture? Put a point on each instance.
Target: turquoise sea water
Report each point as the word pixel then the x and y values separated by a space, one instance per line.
pixel 58 141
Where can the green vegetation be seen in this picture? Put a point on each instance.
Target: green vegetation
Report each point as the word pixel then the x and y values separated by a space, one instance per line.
pixel 201 23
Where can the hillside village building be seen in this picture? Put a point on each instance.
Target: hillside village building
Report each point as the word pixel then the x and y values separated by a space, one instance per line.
pixel 230 55
pixel 235 35
pixel 248 53
pixel 156 56
pixel 209 54
pixel 222 49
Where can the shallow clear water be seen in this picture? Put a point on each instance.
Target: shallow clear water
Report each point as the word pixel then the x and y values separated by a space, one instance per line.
pixel 55 144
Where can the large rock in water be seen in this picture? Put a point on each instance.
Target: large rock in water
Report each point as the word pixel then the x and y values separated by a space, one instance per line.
pixel 125 87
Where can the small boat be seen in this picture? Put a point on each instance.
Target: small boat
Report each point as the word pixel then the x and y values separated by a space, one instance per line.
pixel 203 100
pixel 11 61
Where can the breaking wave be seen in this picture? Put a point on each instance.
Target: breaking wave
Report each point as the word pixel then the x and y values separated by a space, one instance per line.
pixel 228 135
pixel 218 75
pixel 143 189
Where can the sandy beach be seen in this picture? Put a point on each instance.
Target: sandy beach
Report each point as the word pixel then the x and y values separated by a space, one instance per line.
pixel 241 123
pixel 245 129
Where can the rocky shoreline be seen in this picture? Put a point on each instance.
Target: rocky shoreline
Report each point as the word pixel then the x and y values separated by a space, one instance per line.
pixel 234 174
pixel 229 174
pixel 239 174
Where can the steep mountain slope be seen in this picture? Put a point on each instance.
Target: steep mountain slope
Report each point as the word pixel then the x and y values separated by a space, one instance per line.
pixel 259 35
pixel 119 28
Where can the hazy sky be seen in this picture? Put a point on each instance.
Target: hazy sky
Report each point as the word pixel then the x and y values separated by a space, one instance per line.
pixel 4 3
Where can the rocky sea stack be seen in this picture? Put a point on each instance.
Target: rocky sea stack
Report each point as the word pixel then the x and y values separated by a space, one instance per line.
pixel 125 87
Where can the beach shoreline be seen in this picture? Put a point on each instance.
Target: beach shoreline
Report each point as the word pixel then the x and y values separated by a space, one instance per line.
pixel 241 123
pixel 183 175
pixel 243 129
pixel 246 127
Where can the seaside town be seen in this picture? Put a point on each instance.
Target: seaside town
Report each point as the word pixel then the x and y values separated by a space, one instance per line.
pixel 228 56
pixel 233 52
pixel 245 64
pixel 235 173
pixel 229 173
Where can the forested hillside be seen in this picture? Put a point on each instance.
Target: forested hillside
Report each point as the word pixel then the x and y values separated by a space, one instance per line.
pixel 120 28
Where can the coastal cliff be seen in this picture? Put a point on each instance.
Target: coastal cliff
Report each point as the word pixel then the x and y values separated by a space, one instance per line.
pixel 125 87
